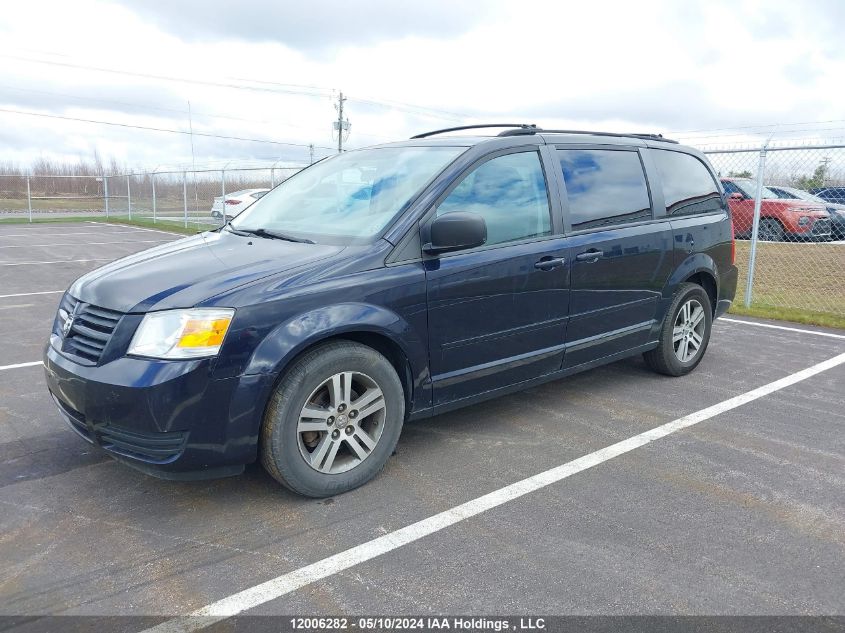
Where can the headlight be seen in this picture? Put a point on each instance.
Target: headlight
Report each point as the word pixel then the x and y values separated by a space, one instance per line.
pixel 193 333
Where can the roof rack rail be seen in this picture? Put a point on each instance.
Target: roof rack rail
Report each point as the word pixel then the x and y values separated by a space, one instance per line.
pixel 524 126
pixel 521 129
pixel 652 137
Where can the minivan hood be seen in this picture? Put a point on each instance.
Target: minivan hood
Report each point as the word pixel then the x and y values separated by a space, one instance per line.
pixel 185 272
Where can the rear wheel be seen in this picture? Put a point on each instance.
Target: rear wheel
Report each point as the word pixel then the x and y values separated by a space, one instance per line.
pixel 333 421
pixel 684 334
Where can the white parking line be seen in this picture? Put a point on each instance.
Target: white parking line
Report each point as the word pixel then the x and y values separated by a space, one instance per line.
pixel 60 261
pixel 139 228
pixel 39 233
pixel 782 327
pixel 30 294
pixel 19 365
pixel 287 583
pixel 88 243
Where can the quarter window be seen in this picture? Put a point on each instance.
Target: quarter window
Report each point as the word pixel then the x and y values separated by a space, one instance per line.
pixel 688 186
pixel 604 187
pixel 509 192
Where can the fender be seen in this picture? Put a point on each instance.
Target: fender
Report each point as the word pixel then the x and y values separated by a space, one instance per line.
pixel 694 263
pixel 291 337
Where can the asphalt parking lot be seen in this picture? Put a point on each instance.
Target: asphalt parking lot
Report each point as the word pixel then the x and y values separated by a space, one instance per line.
pixel 742 513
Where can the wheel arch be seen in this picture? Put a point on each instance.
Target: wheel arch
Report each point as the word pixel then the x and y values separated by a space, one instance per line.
pixel 373 326
pixel 700 269
pixel 706 280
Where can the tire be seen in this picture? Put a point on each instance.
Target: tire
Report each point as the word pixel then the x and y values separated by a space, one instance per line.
pixel 770 230
pixel 670 357
pixel 311 450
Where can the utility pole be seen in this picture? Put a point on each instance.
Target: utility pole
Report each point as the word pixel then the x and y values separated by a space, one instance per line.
pixel 825 162
pixel 340 125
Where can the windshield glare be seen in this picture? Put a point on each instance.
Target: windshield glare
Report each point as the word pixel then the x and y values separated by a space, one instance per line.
pixel 353 195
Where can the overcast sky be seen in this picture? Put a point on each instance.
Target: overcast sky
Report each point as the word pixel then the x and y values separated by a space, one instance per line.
pixel 271 70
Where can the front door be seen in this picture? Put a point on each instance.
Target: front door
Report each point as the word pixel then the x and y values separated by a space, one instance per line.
pixel 497 313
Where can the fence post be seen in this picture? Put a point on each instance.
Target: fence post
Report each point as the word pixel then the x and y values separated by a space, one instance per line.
pixel 153 184
pixel 758 196
pixel 223 190
pixel 29 198
pixel 185 195
pixel 106 193
pixel 272 177
pixel 128 198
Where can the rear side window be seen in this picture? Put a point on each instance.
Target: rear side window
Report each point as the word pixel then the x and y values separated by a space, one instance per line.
pixel 688 186
pixel 604 187
pixel 509 192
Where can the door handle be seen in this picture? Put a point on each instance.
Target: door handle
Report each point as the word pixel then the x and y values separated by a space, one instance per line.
pixel 550 263
pixel 590 256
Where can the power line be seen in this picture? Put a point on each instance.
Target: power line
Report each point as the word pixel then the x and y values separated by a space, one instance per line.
pixel 397 105
pixel 752 127
pixel 308 93
pixel 157 129
pixel 780 133
pixel 179 111
pixel 273 88
pixel 414 109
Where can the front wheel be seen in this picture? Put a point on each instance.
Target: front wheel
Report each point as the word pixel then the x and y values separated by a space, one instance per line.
pixel 684 334
pixel 333 421
pixel 770 230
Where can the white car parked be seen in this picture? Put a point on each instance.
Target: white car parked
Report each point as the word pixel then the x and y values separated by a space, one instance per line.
pixel 236 202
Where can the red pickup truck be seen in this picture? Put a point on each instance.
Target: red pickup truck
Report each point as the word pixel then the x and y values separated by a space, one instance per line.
pixel 780 219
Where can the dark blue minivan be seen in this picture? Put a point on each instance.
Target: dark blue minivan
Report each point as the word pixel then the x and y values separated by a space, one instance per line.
pixel 389 284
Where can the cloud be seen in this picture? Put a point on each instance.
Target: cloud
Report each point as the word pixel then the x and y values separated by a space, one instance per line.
pixel 313 25
pixel 658 65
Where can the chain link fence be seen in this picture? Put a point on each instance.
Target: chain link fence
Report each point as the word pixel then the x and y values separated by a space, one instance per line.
pixel 189 198
pixel 788 209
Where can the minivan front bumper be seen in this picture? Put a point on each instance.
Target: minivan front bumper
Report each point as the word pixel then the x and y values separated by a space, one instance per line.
pixel 171 419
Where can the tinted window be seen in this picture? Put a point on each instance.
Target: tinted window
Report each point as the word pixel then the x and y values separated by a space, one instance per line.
pixel 604 187
pixel 730 188
pixel 688 186
pixel 509 192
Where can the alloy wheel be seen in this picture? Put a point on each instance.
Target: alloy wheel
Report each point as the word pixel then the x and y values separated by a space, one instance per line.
pixel 688 330
pixel 341 422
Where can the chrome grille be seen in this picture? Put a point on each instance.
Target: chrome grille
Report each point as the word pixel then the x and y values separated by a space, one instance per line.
pixel 90 330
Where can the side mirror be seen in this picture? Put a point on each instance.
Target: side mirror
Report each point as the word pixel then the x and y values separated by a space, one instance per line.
pixel 736 196
pixel 456 231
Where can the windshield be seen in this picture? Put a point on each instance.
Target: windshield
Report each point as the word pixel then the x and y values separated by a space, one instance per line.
pixel 749 188
pixel 353 195
pixel 804 195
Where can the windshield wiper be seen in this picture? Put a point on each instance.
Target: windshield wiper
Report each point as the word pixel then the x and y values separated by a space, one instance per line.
pixel 273 235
